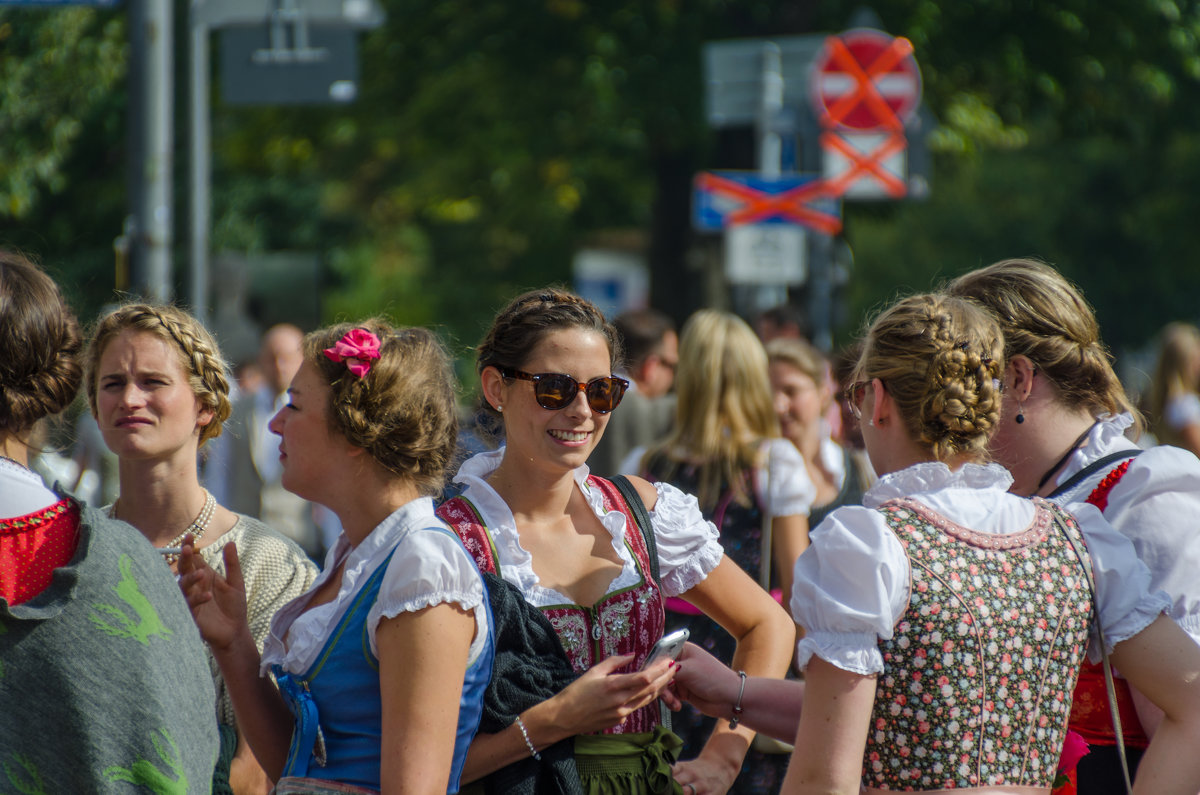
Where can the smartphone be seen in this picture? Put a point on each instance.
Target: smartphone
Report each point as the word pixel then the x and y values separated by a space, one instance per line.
pixel 668 647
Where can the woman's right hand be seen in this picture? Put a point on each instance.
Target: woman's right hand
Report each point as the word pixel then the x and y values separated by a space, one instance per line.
pixel 218 604
pixel 704 682
pixel 602 699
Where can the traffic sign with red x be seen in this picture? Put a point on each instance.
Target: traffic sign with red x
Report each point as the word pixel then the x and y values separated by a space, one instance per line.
pixel 866 80
pixel 732 198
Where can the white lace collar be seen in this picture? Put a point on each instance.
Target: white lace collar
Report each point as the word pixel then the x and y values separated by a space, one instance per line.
pixel 516 564
pixel 930 476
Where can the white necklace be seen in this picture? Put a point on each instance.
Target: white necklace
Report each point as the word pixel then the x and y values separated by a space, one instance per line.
pixel 197 527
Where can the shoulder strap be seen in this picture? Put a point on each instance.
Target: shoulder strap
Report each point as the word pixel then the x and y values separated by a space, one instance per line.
pixel 1108 675
pixel 642 519
pixel 1096 465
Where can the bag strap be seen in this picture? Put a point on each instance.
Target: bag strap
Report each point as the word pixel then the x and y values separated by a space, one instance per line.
pixel 642 519
pixel 1108 675
pixel 1096 465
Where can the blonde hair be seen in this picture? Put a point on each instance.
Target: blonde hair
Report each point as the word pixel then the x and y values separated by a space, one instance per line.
pixel 800 355
pixel 1174 375
pixel 1045 318
pixel 198 355
pixel 724 408
pixel 939 358
pixel 403 411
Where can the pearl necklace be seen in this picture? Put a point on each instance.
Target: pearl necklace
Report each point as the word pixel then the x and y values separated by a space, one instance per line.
pixel 197 527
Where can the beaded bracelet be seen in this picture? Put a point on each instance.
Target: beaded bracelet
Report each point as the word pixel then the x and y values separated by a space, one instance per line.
pixel 528 743
pixel 737 707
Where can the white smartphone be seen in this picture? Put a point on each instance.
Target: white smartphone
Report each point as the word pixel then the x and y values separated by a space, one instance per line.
pixel 668 647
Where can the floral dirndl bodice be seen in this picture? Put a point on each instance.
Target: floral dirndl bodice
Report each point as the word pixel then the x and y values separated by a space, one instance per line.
pixel 978 674
pixel 625 621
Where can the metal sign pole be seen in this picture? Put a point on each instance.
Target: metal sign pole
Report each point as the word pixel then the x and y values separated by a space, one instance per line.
pixel 200 173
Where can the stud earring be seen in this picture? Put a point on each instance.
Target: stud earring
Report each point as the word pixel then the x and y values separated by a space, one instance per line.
pixel 870 422
pixel 499 407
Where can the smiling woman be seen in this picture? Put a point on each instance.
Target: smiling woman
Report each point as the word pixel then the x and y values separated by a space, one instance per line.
pixel 568 542
pixel 157 386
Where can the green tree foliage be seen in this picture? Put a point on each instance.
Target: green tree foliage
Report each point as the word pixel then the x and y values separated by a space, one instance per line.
pixel 491 139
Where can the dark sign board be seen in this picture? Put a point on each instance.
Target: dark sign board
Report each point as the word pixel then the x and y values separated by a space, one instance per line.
pixel 322 72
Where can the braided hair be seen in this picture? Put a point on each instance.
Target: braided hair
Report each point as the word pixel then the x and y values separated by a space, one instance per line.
pixel 198 355
pixel 403 411
pixel 940 358
pixel 39 347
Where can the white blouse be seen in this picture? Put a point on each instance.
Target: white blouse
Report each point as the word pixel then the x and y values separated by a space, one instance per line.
pixel 1182 411
pixel 1155 505
pixel 783 486
pixel 22 491
pixel 852 584
pixel 688 548
pixel 428 568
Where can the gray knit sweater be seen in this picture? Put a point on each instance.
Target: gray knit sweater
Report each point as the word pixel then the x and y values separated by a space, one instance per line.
pixel 103 682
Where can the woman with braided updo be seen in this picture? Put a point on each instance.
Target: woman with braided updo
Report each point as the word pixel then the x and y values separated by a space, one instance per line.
pixel 157 386
pixel 946 617
pixel 382 664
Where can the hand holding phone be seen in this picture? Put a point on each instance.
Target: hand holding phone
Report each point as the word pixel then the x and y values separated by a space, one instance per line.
pixel 669 647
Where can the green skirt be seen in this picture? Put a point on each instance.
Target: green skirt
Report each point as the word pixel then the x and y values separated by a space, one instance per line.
pixel 628 764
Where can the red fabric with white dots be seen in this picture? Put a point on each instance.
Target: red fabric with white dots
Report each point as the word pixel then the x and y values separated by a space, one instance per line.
pixel 33 546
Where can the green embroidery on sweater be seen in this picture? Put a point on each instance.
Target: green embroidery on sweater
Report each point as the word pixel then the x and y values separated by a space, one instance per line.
pixel 147 625
pixel 28 784
pixel 144 773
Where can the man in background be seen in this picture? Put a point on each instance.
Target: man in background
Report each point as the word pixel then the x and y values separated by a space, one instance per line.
pixel 648 409
pixel 243 470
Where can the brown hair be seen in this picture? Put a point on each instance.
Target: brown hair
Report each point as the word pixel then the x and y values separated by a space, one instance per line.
pixel 529 318
pixel 1045 318
pixel 939 358
pixel 39 347
pixel 198 355
pixel 403 411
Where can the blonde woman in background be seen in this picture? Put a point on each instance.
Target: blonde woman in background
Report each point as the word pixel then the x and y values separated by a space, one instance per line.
pixel 1174 405
pixel 804 392
pixel 725 448
pixel 157 386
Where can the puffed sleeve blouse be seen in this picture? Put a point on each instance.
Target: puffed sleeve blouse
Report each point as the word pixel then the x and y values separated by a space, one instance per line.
pixel 1155 505
pixel 429 567
pixel 688 548
pixel 852 583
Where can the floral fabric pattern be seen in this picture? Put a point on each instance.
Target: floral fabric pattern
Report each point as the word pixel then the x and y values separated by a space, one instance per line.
pixel 978 674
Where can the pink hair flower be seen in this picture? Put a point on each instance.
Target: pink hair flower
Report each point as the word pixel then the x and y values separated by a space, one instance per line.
pixel 356 349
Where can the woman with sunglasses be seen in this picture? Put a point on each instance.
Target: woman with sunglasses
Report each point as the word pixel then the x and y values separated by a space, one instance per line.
pixel 1065 436
pixel 381 664
pixel 532 514
pixel 946 617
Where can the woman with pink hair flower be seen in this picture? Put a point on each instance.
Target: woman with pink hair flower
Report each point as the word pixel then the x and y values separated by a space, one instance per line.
pixel 382 664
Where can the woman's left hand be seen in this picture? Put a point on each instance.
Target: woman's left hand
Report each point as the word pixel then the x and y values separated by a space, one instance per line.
pixel 704 776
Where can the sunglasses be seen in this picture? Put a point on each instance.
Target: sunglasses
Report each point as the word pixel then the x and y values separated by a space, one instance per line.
pixel 854 395
pixel 556 391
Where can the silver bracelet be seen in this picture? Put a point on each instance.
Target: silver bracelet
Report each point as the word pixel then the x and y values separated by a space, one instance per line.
pixel 737 707
pixel 528 743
